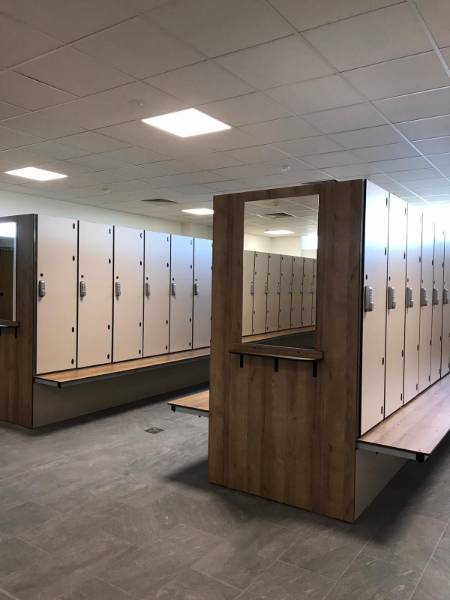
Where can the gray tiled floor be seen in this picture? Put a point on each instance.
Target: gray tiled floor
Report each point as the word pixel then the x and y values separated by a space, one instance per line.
pixel 101 510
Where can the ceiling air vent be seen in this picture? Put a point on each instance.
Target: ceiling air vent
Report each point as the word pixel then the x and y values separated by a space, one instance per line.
pixel 278 215
pixel 159 201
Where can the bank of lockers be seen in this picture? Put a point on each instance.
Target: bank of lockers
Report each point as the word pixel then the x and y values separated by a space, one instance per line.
pixel 95 275
pixel 156 293
pixel 181 292
pixel 261 266
pixel 284 318
pixel 273 292
pixel 436 302
pixel 202 293
pixel 426 308
pixel 445 363
pixel 297 291
pixel 248 265
pixel 308 291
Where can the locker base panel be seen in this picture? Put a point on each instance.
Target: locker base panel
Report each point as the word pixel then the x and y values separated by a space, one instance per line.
pixel 276 334
pixel 194 404
pixel 53 405
pixel 87 374
pixel 416 429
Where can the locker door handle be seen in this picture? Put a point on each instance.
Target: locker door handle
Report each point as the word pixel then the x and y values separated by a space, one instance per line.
pixel 117 289
pixel 409 297
pixel 173 289
pixel 83 289
pixel 42 288
pixel 423 297
pixel 252 288
pixel 392 302
pixel 445 296
pixel 435 298
pixel 369 304
pixel 147 289
pixel 266 289
pixel 195 289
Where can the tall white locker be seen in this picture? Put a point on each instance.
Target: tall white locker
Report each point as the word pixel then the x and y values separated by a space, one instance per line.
pixel 95 280
pixel 436 301
pixel 260 292
pixel 374 306
pixel 202 293
pixel 395 317
pixel 247 291
pixel 314 294
pixel 426 308
pixel 412 312
pixel 56 344
pixel 297 281
pixel 284 319
pixel 181 292
pixel 446 308
pixel 156 293
pixel 308 291
pixel 128 304
pixel 273 292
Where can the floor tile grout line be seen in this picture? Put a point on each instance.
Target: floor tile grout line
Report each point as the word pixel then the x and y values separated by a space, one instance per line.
pixel 8 594
pixel 357 555
pixel 113 585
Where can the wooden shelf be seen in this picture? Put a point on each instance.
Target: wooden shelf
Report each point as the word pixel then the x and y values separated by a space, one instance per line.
pixel 88 374
pixel 416 429
pixel 281 352
pixel 194 404
pixel 276 334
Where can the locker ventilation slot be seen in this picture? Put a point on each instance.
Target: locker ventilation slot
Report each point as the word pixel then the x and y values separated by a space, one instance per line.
pixel 159 201
pixel 153 430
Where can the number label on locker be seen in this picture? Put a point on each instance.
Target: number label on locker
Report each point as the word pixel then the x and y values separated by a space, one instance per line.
pixel 181 292
pixel 202 292
pixel 156 293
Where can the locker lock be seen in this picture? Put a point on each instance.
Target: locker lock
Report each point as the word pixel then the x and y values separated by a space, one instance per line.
pixel 409 298
pixel 195 288
pixel 392 302
pixel 435 297
pixel 445 296
pixel 252 288
pixel 173 289
pixel 147 289
pixel 42 288
pixel 117 289
pixel 369 304
pixel 83 289
pixel 423 297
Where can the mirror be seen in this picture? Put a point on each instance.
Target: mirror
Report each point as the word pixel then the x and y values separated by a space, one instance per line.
pixel 279 271
pixel 7 272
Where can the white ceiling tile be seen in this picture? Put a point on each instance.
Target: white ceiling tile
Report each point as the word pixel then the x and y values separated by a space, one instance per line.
pixel 244 110
pixel 74 72
pixel 416 106
pixel 357 171
pixel 19 42
pixel 212 160
pixel 139 48
pixel 426 128
pixel 96 162
pixel 278 130
pixel 257 154
pixel 315 95
pixel 91 142
pixel 411 175
pixel 402 76
pixel 434 146
pixel 216 27
pixel 306 14
pixel 388 151
pixel 384 34
pixel 8 110
pixel 308 146
pixel 180 179
pixel 28 93
pixel 332 159
pixel 401 164
pixel 362 138
pixel 441 160
pixel 358 116
pixel 166 167
pixel 10 138
pixel 200 83
pixel 276 63
pixel 48 123
pixel 437 16
pixel 133 156
pixel 55 150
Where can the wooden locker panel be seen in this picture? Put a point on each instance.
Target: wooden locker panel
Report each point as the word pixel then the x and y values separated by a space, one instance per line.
pixel 374 315
pixel 438 282
pixel 56 342
pixel 260 292
pixel 273 292
pixel 181 294
pixel 446 308
pixel 308 291
pixel 128 300
pixel 247 292
pixel 395 316
pixel 284 318
pixel 426 311
pixel 156 293
pixel 412 313
pixel 202 293
pixel 297 281
pixel 314 291
pixel 95 281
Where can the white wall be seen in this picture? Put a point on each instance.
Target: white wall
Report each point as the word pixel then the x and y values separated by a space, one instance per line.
pixel 289 245
pixel 257 243
pixel 14 204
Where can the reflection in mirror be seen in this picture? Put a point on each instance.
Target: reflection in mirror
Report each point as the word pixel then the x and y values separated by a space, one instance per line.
pixel 279 271
pixel 7 272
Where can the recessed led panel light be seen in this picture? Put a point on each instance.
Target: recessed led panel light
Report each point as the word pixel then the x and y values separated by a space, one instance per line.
pixel 187 123
pixel 200 212
pixel 36 174
pixel 279 232
pixel 7 229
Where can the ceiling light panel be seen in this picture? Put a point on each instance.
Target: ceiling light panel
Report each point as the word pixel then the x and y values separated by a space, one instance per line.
pixel 278 232
pixel 200 212
pixel 187 123
pixel 36 174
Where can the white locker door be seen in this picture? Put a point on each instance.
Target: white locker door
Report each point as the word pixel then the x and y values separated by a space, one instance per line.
pixel 95 280
pixel 181 289
pixel 128 301
pixel 56 343
pixel 374 306
pixel 297 280
pixel 308 291
pixel 284 319
pixel 247 291
pixel 202 292
pixel 438 281
pixel 261 267
pixel 314 294
pixel 156 293
pixel 426 308
pixel 395 317
pixel 412 314
pixel 273 292
pixel 446 308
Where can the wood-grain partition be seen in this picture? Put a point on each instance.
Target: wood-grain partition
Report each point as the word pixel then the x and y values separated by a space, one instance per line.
pixel 279 428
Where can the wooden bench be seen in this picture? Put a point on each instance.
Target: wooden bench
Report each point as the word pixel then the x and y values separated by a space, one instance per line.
pixel 194 404
pixel 88 374
pixel 416 429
